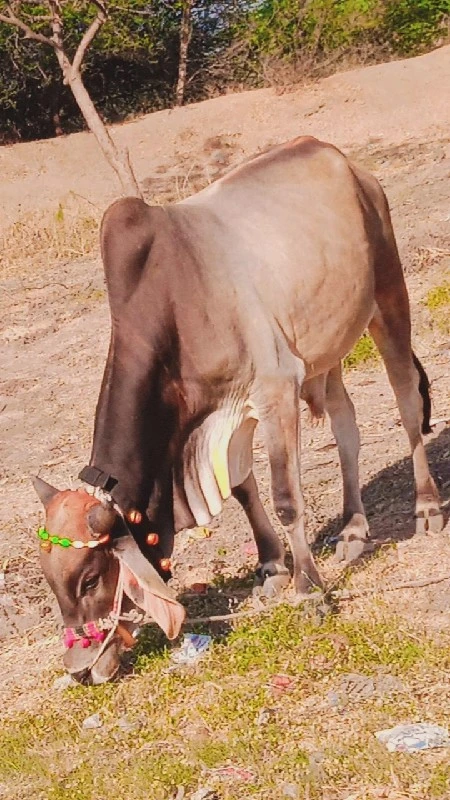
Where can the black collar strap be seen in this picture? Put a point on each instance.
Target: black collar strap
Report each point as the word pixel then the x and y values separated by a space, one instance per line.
pixel 97 478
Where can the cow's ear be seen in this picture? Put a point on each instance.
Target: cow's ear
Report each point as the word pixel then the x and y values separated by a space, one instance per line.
pixel 45 491
pixel 146 589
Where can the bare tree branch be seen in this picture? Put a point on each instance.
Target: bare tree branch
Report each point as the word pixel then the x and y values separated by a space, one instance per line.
pixel 11 19
pixel 185 38
pixel 88 37
pixel 57 24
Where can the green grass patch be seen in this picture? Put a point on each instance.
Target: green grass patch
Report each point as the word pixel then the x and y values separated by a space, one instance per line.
pixel 440 781
pixel 438 303
pixel 363 353
pixel 438 297
pixel 192 721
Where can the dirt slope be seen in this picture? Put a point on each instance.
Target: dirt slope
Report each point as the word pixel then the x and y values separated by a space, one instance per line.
pixel 394 118
pixel 389 103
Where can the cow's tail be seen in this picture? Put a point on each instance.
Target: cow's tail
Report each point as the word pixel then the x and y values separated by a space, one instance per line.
pixel 424 389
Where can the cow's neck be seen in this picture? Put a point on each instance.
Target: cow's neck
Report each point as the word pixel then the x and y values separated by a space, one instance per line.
pixel 133 426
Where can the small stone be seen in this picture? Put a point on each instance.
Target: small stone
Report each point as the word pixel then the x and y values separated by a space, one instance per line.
pixel 264 716
pixel 353 688
pixel 63 682
pixel 334 699
pixel 388 684
pixel 92 722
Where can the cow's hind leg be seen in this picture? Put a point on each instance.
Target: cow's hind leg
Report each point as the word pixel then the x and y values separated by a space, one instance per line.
pixel 272 571
pixel 390 329
pixel 282 434
pixel 340 408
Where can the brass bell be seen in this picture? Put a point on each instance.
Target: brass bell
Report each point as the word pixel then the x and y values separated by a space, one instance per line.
pixel 134 516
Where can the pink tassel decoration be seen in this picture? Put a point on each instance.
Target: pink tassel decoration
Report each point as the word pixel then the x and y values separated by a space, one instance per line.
pixel 69 638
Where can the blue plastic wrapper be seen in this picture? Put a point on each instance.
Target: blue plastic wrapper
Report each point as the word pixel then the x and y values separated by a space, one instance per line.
pixel 194 645
pixel 414 737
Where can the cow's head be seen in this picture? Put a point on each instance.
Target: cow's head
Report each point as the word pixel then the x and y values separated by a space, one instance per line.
pixel 97 572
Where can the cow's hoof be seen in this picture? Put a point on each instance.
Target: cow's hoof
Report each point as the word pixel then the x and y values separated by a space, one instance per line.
pixel 349 550
pixel 352 541
pixel 271 579
pixel 429 520
pixel 308 583
pixel 274 584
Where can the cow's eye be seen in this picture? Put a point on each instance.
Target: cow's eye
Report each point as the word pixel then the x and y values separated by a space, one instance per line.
pixel 91 583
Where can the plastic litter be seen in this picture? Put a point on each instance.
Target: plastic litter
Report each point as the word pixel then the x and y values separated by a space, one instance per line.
pixel 193 647
pixel 205 794
pixel 235 773
pixel 195 534
pixel 90 723
pixel 281 683
pixel 290 790
pixel 412 738
pixel 3 569
pixel 127 725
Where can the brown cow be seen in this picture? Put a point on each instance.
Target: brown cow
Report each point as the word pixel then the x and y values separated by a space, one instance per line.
pixel 226 309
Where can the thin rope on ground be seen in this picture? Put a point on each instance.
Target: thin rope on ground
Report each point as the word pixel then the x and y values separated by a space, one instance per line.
pixel 339 595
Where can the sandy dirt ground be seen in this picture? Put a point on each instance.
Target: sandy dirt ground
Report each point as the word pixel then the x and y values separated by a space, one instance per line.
pixel 394 119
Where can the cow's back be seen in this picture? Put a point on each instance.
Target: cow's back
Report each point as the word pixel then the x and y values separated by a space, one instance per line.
pixel 298 231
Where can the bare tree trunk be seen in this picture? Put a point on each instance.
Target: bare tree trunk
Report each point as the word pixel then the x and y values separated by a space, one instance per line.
pixel 185 38
pixel 116 157
pixel 55 103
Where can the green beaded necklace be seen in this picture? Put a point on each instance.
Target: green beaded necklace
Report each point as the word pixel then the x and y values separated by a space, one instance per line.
pixel 48 539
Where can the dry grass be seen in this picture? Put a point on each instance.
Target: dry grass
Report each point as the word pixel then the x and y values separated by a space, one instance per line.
pixel 38 239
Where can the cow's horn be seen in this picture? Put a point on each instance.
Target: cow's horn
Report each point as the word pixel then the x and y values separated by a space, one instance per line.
pixel 44 490
pixel 101 519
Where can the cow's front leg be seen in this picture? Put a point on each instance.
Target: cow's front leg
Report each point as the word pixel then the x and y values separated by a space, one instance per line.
pixel 282 433
pixel 272 571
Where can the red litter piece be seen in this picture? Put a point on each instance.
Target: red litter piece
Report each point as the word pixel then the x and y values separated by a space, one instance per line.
pixel 199 588
pixel 238 773
pixel 282 682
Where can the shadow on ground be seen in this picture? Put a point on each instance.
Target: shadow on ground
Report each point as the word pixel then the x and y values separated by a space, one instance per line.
pixel 389 498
